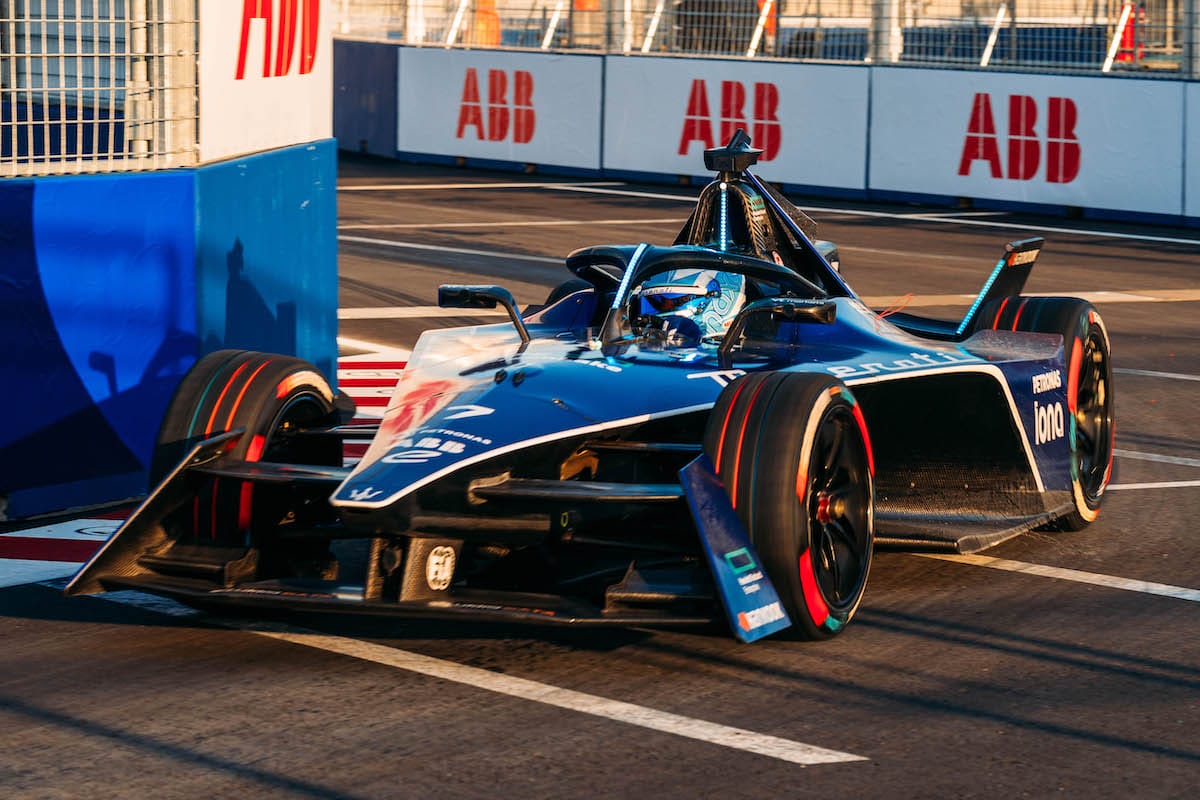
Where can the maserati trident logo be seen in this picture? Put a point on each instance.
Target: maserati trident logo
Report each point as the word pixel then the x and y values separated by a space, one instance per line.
pixel 365 493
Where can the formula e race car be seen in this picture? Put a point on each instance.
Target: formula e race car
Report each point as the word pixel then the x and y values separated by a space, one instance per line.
pixel 716 429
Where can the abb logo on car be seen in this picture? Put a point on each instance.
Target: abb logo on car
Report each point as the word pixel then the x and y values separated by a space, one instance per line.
pixel 982 143
pixel 281 16
pixel 501 115
pixel 765 130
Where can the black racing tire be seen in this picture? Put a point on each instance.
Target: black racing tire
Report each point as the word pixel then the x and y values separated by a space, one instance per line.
pixel 794 455
pixel 1090 396
pixel 566 289
pixel 270 396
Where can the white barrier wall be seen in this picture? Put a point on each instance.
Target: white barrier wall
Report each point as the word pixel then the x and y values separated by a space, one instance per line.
pixel 1072 141
pixel 660 114
pixel 1191 155
pixel 541 108
pixel 266 75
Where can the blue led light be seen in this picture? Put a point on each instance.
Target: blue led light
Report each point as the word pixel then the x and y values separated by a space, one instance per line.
pixel 975 306
pixel 723 225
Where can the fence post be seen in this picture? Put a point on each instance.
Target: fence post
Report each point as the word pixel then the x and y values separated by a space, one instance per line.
pixel 885 42
pixel 1190 68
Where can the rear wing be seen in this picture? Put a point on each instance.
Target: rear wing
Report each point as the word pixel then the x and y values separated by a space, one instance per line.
pixel 1007 279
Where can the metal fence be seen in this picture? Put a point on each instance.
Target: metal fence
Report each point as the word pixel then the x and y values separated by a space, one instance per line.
pixel 97 85
pixel 1056 36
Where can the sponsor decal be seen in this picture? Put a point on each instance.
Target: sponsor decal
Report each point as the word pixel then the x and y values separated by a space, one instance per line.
pixel 914 361
pixel 757 617
pixel 365 493
pixel 281 17
pixel 439 568
pixel 1024 145
pixel 723 377
pixel 504 121
pixel 1049 423
pixel 749 576
pixel 1047 381
pixel 468 437
pixel 463 412
pixel 598 364
pixel 422 449
pixel 763 123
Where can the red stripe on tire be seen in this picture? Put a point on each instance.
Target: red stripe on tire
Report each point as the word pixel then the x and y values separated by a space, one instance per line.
pixel 813 600
pixel 725 425
pixel 996 321
pixel 737 456
pixel 217 406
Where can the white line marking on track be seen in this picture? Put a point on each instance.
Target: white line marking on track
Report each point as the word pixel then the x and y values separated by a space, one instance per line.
pixel 1078 576
pixel 511 686
pixel 415 187
pixel 416 312
pixel 1117 487
pixel 439 249
pixel 538 223
pixel 1161 459
pixel 1149 373
pixel 376 351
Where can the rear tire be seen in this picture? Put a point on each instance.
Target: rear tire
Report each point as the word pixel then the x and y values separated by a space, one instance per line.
pixel 793 452
pixel 1090 397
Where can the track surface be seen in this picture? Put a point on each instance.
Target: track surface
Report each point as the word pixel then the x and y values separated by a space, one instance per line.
pixel 955 680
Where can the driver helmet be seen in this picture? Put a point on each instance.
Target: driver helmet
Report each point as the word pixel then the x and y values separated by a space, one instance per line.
pixel 709 298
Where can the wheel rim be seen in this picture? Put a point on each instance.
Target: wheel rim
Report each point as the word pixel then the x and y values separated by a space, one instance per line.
pixel 1093 418
pixel 304 410
pixel 839 510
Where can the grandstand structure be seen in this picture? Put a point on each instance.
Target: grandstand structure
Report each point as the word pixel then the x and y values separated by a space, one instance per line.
pixel 1057 36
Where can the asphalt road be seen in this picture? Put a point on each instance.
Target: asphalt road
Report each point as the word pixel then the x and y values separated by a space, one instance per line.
pixel 1072 670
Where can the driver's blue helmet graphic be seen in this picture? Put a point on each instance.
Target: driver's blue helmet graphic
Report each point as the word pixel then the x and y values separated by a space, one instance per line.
pixel 709 298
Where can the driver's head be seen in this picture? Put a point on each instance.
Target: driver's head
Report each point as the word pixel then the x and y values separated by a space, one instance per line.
pixel 709 298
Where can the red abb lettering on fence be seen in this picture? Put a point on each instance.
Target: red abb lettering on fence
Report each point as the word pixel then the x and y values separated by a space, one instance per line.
pixel 499 112
pixel 982 143
pixel 290 12
pixel 766 132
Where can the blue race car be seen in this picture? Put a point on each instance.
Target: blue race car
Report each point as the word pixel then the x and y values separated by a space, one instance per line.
pixel 715 429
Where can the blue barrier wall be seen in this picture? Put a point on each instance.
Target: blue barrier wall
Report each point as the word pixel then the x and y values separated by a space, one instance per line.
pixel 111 286
pixel 365 96
pixel 266 253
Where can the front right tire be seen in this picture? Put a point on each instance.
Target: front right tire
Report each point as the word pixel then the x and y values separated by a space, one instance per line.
pixel 794 455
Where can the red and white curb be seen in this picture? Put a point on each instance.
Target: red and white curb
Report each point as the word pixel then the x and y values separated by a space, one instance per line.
pixel 53 551
pixel 370 381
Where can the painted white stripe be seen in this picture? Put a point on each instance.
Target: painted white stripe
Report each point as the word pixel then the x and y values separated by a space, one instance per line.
pixel 1116 487
pixel 439 249
pixel 416 312
pixel 521 688
pixel 1161 459
pixel 376 351
pixel 92 530
pixel 1078 576
pixel 418 187
pixel 1106 297
pixel 1149 373
pixel 534 223
pixel 931 217
pixel 20 571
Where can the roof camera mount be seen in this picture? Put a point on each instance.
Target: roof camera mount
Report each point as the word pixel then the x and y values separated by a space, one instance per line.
pixel 734 158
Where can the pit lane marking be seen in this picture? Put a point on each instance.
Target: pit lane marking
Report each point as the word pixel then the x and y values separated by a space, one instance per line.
pixel 538 223
pixel 931 217
pixel 439 249
pixel 1149 373
pixel 509 685
pixel 1077 576
pixel 416 312
pixel 1116 487
pixel 410 187
pixel 1159 458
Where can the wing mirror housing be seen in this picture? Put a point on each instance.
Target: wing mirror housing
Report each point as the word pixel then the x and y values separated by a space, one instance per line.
pixel 792 309
pixel 455 296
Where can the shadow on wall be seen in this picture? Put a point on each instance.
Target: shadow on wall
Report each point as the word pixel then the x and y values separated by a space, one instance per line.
pixel 249 321
pixel 73 434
